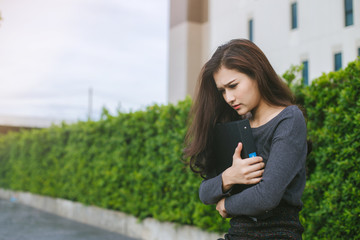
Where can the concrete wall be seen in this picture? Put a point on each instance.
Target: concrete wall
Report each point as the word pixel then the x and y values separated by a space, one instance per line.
pixel 148 229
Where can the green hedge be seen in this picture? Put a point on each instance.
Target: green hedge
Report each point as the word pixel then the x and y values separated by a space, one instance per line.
pixel 132 162
pixel 332 195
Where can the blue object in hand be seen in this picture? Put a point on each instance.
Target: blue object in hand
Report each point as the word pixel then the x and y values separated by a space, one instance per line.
pixel 252 155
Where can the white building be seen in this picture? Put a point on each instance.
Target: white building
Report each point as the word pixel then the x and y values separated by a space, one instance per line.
pixel 324 35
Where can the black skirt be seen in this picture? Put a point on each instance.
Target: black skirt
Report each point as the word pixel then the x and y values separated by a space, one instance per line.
pixel 283 223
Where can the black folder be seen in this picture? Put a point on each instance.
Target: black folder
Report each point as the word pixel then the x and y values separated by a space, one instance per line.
pixel 226 138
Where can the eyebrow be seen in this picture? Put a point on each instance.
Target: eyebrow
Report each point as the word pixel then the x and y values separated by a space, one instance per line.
pixel 226 85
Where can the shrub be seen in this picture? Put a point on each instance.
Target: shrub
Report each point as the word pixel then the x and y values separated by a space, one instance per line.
pixel 131 162
pixel 332 193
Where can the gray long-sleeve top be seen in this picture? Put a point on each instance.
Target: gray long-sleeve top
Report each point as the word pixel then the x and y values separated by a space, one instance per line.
pixel 282 144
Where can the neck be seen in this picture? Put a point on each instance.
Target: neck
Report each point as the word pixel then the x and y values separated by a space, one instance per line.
pixel 263 113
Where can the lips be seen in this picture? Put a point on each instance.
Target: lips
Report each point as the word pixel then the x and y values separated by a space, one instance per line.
pixel 236 107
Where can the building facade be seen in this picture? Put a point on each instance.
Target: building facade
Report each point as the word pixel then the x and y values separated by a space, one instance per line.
pixel 188 45
pixel 323 35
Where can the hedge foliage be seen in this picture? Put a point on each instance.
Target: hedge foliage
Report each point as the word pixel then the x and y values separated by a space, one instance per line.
pixel 332 194
pixel 132 162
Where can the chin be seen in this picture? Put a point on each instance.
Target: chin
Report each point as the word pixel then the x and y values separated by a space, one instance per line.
pixel 241 112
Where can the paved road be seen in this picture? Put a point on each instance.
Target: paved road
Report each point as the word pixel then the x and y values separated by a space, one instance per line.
pixel 20 222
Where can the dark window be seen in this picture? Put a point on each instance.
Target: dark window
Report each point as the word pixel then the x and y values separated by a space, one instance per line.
pixel 294 24
pixel 337 61
pixel 305 72
pixel 349 19
pixel 251 30
pixel 359 52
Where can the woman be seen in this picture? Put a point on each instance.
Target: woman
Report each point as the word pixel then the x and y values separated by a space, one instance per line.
pixel 239 82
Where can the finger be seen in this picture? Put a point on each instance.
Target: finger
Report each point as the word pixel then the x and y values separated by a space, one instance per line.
pixel 255 167
pixel 223 213
pixel 253 160
pixel 255 174
pixel 218 206
pixel 254 180
pixel 249 168
pixel 237 153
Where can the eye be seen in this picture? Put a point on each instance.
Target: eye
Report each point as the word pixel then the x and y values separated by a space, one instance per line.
pixel 233 85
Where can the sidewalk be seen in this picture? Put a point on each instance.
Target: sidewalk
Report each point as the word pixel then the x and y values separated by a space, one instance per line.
pixel 20 222
pixel 109 220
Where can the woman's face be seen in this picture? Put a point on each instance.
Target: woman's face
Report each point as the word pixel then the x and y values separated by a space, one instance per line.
pixel 238 89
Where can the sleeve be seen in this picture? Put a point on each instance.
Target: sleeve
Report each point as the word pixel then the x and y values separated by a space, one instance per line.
pixel 211 192
pixel 286 159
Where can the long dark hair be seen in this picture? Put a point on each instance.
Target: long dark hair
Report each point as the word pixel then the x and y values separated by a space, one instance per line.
pixel 209 106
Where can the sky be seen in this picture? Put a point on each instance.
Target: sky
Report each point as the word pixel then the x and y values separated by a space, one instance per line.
pixel 53 53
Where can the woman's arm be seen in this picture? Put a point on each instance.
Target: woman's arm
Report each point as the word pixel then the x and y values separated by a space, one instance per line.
pixel 242 171
pixel 284 172
pixel 211 192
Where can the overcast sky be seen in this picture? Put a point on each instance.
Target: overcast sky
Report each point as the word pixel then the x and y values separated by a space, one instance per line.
pixel 53 51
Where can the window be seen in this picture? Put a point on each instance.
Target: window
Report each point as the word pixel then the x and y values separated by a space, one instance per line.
pixel 337 61
pixel 359 52
pixel 349 19
pixel 251 33
pixel 294 15
pixel 305 72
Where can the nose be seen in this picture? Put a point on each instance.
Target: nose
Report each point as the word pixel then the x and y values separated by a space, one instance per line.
pixel 229 97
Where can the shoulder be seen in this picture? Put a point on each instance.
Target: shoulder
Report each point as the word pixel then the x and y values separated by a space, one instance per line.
pixel 292 111
pixel 291 121
pixel 290 115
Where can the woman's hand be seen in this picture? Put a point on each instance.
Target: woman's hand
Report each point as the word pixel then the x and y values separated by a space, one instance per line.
pixel 220 207
pixel 242 171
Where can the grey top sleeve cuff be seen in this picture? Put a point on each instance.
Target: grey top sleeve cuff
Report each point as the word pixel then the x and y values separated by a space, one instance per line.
pixel 211 192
